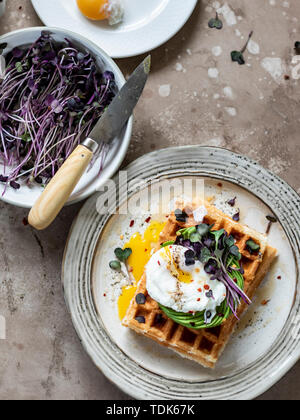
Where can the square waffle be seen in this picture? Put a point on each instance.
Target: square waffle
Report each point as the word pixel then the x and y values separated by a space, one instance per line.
pixel 203 346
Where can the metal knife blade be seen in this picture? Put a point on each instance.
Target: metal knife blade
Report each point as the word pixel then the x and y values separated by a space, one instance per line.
pixel 121 107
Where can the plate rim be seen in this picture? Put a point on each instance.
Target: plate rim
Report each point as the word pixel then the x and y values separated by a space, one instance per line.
pixel 126 139
pixel 261 386
pixel 37 5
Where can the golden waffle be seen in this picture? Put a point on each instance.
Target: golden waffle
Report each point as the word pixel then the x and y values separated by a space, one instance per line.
pixel 203 346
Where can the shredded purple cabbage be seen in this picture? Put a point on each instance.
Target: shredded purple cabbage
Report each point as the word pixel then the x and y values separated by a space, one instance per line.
pixel 50 99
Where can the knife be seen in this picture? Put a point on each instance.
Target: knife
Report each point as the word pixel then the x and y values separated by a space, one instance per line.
pixel 61 186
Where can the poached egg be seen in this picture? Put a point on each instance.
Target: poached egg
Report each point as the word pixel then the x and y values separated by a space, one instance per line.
pixel 181 287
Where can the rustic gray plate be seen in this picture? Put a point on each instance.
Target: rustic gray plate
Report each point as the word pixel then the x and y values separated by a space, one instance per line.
pixel 242 382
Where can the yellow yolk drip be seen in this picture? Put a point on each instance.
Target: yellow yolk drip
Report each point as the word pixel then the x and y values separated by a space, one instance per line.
pixel 141 247
pixel 127 295
pixel 182 276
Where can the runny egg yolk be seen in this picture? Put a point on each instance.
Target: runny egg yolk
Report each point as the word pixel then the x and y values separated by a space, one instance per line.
pixel 180 275
pixel 94 9
pixel 141 246
pixel 127 295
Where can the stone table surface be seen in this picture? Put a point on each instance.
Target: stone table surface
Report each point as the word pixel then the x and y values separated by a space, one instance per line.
pixel 195 95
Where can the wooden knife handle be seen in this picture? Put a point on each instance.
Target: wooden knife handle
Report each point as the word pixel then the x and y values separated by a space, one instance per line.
pixel 59 188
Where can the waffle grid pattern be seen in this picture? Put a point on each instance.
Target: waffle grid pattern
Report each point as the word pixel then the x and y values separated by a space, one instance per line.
pixel 204 346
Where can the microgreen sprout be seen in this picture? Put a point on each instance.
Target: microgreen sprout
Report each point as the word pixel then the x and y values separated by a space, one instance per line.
pixel 252 246
pixel 115 265
pixel 220 256
pixel 123 254
pixel 215 22
pixel 236 217
pixel 232 202
pixel 238 56
pixel 51 96
pixel 271 220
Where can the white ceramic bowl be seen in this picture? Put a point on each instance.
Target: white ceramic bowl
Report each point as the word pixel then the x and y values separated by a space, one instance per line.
pixel 91 181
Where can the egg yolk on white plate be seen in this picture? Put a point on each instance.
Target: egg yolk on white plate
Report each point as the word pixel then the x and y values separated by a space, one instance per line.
pixel 94 9
pixel 102 9
pixel 141 246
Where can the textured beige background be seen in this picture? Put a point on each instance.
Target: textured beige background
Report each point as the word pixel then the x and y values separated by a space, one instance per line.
pixel 42 357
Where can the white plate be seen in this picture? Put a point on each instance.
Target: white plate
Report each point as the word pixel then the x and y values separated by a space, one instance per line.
pixel 267 341
pixel 147 23
pixel 91 181
pixel 256 332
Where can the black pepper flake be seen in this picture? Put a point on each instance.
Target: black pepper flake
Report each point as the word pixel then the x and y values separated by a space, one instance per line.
pixel 140 299
pixel 140 319
pixel 180 215
pixel 192 324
